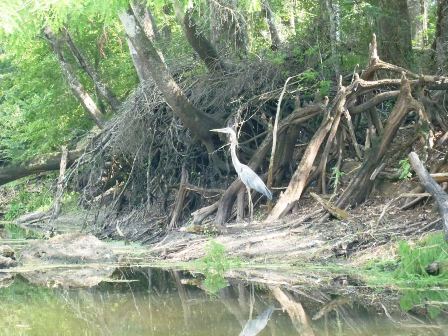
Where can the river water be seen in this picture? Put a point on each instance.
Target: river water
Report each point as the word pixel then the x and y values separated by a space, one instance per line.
pixel 149 301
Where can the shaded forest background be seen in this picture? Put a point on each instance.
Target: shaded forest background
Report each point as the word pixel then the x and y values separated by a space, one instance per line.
pixel 129 91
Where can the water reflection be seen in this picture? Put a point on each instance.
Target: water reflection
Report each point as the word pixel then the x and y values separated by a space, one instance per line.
pixel 157 302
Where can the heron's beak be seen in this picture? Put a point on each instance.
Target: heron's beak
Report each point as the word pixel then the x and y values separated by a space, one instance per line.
pixel 219 130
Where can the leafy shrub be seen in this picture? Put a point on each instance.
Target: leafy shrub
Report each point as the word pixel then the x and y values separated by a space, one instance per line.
pixel 214 265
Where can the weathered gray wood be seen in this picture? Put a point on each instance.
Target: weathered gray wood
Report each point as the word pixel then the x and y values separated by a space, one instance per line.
pixel 432 187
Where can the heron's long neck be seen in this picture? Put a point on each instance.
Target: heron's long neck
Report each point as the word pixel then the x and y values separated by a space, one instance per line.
pixel 235 161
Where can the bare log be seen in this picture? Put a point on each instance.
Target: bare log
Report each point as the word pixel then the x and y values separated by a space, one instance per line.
pixel 331 208
pixel 201 214
pixel 432 187
pixel 48 163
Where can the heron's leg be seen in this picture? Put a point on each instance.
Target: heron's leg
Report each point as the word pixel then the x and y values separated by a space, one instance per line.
pixel 251 206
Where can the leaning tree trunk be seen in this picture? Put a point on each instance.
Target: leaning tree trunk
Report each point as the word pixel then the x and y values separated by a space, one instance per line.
pixel 433 188
pixel 270 19
pixel 441 39
pixel 201 45
pixel 104 91
pixel 145 19
pixel 196 121
pixel 75 85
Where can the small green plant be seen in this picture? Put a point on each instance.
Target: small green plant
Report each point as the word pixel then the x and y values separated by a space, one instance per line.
pixel 405 169
pixel 336 175
pixel 214 265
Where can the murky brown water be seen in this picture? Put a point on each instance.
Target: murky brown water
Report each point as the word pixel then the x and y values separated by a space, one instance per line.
pixel 160 303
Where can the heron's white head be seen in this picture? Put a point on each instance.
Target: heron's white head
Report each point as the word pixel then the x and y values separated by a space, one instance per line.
pixel 227 130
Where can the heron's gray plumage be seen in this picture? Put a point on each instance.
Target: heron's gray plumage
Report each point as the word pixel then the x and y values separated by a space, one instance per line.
pixel 253 181
pixel 254 327
pixel 245 173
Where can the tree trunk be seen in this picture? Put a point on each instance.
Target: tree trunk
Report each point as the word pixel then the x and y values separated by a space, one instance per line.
pixel 195 120
pixel 441 39
pixel 142 70
pixel 198 41
pixel 334 16
pixel 47 163
pixel 101 87
pixel 394 31
pixel 146 20
pixel 75 85
pixel 270 19
pixel 418 14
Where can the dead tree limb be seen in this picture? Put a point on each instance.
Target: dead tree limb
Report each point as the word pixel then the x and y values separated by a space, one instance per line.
pixel 361 185
pixel 105 92
pixel 75 85
pixel 432 187
pixel 330 208
pixel 180 198
pixel 201 214
pixel 274 135
pixel 60 186
pixel 300 177
pixel 48 163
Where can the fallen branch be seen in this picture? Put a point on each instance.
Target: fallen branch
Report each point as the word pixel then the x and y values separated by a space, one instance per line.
pixel 332 209
pixel 48 163
pixel 432 187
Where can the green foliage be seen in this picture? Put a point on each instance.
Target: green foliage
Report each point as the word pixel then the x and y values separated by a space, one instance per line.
pixel 214 265
pixel 324 88
pixel 405 169
pixel 408 274
pixel 414 259
pixel 27 200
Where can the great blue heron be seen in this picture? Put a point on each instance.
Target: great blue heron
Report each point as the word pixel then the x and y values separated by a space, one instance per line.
pixel 250 179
